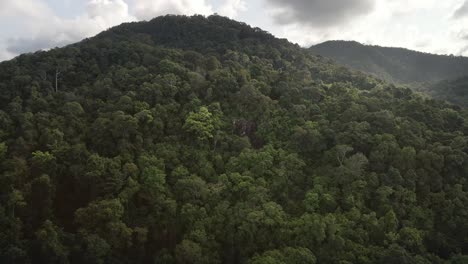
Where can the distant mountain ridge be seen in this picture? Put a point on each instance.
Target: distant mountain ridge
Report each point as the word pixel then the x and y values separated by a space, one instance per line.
pixel 398 65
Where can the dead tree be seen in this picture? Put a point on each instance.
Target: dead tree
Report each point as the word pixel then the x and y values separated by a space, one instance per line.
pixel 57 75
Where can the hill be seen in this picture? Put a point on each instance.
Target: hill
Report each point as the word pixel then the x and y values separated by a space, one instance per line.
pixel 204 140
pixel 397 65
pixel 454 90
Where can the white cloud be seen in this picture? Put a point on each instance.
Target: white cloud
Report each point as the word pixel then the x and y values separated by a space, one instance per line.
pixel 462 11
pixel 231 8
pixel 23 8
pixel 39 28
pixel 398 7
pixel 107 12
pixel 4 54
pixel 148 9
pixel 424 25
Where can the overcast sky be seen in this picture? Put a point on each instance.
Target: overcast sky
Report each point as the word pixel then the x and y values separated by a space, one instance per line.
pixel 436 26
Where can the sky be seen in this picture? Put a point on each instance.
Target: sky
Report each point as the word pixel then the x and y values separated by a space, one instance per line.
pixel 435 26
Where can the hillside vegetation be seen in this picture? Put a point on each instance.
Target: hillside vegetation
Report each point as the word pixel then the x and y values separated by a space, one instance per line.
pixel 398 65
pixel 441 77
pixel 454 90
pixel 203 140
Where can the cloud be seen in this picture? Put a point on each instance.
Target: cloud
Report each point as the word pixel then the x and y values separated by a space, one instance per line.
pixel 24 8
pixel 462 34
pixel 148 9
pixel 423 25
pixel 462 51
pixel 231 8
pixel 24 45
pixel 462 11
pixel 422 43
pixel 5 54
pixel 319 13
pixel 407 7
pixel 39 28
pixel 107 13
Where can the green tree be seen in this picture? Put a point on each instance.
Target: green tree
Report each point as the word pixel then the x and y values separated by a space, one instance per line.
pixel 201 124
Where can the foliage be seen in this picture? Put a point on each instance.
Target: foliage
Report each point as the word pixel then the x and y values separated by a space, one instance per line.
pixel 439 76
pixel 398 65
pixel 203 140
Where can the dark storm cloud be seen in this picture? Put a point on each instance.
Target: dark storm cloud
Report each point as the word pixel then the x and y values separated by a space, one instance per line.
pixel 320 13
pixel 462 11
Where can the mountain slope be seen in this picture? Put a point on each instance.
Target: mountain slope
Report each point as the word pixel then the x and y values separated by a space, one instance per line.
pixel 454 91
pixel 394 64
pixel 203 140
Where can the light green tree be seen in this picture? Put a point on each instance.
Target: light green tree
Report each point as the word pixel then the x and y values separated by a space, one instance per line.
pixel 201 124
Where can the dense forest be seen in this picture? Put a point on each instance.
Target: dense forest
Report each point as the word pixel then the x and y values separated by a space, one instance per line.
pixel 441 77
pixel 396 65
pixel 204 140
pixel 454 90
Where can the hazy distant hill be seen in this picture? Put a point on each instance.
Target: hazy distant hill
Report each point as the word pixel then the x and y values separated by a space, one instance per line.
pixel 393 64
pixel 454 91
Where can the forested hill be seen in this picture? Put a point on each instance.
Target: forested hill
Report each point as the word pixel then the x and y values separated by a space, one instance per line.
pixel 454 91
pixel 397 65
pixel 197 33
pixel 203 140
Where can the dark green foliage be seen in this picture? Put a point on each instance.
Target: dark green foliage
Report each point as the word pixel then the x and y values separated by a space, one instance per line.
pixel 394 64
pixel 454 91
pixel 203 140
pixel 441 77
